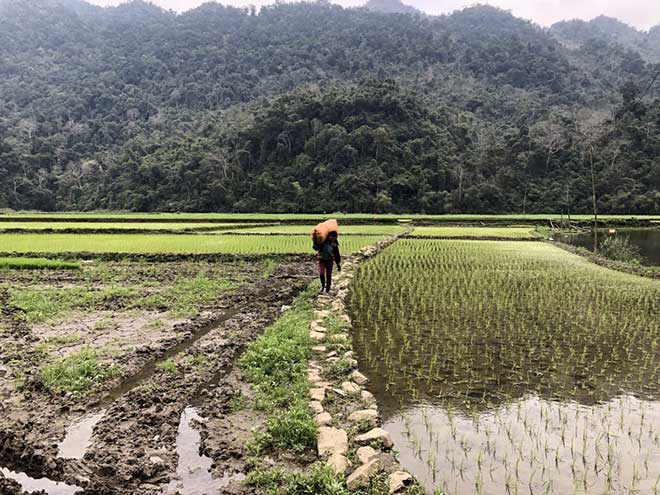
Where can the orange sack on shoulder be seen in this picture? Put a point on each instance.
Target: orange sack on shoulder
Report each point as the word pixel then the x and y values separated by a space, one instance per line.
pixel 321 231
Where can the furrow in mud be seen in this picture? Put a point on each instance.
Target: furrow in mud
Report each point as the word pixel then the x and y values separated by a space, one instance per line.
pixel 132 449
pixel 134 445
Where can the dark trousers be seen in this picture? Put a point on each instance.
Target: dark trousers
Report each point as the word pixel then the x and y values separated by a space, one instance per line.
pixel 325 274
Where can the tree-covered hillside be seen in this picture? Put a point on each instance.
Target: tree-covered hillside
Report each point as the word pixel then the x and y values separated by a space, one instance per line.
pixel 313 107
pixel 390 7
pixel 576 33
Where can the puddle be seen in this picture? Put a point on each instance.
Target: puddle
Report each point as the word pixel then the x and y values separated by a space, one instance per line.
pixel 194 470
pixel 79 436
pixel 44 484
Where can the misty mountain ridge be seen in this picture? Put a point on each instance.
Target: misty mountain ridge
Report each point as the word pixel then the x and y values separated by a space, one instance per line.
pixel 575 33
pixel 391 7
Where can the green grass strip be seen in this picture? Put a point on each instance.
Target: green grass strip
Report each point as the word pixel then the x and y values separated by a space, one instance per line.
pixel 36 264
pixel 275 364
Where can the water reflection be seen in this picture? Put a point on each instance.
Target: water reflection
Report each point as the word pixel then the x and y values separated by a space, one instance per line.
pixel 41 485
pixel 533 446
pixel 509 367
pixel 647 240
pixel 79 436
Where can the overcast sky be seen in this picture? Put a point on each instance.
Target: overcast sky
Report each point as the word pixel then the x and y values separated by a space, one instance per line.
pixel 642 14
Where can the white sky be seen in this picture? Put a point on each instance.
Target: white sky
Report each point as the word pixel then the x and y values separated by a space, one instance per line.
pixel 642 14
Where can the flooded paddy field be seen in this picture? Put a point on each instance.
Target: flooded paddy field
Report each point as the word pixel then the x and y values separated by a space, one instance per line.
pixel 512 367
pixel 500 366
pixel 646 241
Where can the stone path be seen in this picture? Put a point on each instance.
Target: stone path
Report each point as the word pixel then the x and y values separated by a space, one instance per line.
pixel 349 439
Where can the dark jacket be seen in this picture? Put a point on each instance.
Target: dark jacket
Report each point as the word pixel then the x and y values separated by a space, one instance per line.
pixel 329 251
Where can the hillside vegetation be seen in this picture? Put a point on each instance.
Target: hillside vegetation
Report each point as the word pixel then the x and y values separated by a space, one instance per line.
pixel 311 107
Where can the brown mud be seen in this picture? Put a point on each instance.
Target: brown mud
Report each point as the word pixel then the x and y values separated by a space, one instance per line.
pixel 133 447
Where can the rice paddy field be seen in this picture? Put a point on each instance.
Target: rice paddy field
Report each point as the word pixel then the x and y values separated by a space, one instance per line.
pixel 306 229
pixel 512 367
pixel 169 244
pixel 516 233
pixel 116 225
pixel 502 364
pixel 309 218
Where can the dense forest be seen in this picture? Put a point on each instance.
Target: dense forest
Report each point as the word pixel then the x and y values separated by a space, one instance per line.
pixel 312 107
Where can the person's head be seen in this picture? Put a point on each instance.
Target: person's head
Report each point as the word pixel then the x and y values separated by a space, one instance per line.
pixel 332 237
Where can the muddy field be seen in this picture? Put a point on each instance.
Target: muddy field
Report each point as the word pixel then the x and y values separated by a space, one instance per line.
pixel 113 374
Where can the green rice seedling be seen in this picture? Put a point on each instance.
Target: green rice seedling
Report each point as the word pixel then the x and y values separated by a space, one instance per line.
pixel 36 264
pixel 100 226
pixel 171 244
pixel 515 355
pixel 477 232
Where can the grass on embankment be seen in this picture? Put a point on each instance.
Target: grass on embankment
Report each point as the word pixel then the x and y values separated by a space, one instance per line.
pixel 275 364
pixel 169 244
pixel 36 264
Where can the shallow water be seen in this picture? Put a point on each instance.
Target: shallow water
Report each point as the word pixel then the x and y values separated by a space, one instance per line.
pixel 647 240
pixel 79 436
pixel 194 470
pixel 512 368
pixel 533 446
pixel 33 485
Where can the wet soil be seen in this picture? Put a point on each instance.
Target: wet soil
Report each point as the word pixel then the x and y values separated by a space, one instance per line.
pixel 132 448
pixel 112 332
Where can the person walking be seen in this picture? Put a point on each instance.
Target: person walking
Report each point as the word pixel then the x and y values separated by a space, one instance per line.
pixel 327 255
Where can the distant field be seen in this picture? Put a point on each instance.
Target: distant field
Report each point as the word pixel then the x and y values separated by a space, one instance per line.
pixel 168 243
pixel 115 225
pixel 476 232
pixel 307 229
pixel 307 217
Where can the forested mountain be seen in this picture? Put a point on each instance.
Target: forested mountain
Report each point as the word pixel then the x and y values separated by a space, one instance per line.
pixel 575 33
pixel 311 107
pixel 390 7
